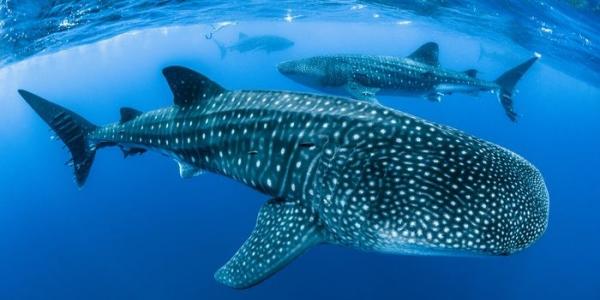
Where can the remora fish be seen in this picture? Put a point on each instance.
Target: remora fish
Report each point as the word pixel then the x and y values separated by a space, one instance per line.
pixel 266 43
pixel 216 27
pixel 339 171
pixel 420 74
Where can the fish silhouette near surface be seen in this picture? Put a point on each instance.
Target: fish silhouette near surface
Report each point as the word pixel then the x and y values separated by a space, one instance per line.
pixel 216 27
pixel 419 74
pixel 338 171
pixel 265 43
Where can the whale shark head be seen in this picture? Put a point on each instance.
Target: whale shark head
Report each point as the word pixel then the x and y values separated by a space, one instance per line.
pixel 430 190
pixel 314 71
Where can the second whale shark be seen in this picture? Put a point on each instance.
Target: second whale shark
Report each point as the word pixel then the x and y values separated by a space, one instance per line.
pixel 338 171
pixel 419 74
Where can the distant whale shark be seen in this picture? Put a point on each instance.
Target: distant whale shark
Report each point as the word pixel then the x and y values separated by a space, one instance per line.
pixel 364 76
pixel 338 171
pixel 266 43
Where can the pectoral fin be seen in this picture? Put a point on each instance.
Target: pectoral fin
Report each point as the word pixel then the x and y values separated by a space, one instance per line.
pixel 361 92
pixel 435 96
pixel 187 171
pixel 132 151
pixel 283 231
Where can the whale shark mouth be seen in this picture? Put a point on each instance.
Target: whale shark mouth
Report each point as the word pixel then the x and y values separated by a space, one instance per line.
pixel 288 68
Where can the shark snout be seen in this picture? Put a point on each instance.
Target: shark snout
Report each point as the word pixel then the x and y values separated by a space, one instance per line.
pixel 287 67
pixel 534 198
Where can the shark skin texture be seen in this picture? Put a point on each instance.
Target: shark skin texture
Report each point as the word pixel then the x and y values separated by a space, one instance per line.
pixel 419 74
pixel 338 171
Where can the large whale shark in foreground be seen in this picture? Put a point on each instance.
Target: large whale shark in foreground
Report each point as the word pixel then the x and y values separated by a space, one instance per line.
pixel 338 171
pixel 419 74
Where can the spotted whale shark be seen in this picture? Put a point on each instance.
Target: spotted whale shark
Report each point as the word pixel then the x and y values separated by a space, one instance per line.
pixel 337 170
pixel 419 74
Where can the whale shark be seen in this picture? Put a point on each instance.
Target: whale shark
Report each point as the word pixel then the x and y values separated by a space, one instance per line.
pixel 266 43
pixel 337 170
pixel 419 74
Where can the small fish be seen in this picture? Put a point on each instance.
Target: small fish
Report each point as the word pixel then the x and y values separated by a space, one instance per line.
pixel 216 27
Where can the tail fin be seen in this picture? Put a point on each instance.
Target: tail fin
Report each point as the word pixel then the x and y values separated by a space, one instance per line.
pixel 507 82
pixel 222 48
pixel 72 130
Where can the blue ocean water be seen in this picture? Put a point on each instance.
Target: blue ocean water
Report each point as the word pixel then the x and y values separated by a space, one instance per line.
pixel 139 231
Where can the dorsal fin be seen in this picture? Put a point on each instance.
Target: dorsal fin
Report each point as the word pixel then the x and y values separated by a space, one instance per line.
pixel 242 36
pixel 471 73
pixel 189 86
pixel 428 54
pixel 128 114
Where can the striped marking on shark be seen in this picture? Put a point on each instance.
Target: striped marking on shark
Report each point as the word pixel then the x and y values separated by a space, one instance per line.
pixel 419 74
pixel 338 171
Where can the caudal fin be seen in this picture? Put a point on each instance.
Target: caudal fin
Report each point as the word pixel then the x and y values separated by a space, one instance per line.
pixel 507 82
pixel 72 129
pixel 222 48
